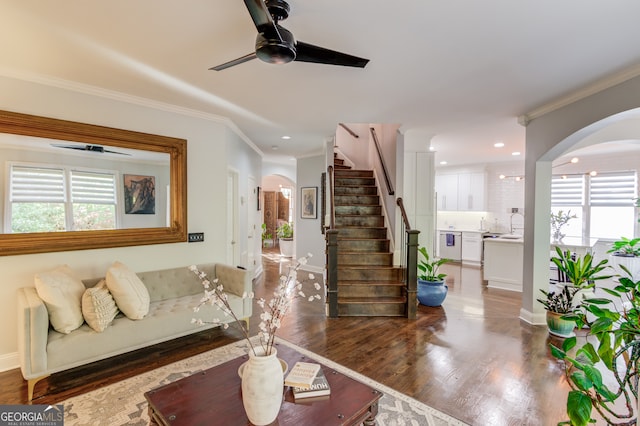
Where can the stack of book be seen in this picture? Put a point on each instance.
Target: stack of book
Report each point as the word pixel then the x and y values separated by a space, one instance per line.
pixel 307 380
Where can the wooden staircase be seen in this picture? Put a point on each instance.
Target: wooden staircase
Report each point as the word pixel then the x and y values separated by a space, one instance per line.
pixel 368 283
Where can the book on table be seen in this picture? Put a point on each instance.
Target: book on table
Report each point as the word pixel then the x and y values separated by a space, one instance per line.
pixel 302 374
pixel 319 387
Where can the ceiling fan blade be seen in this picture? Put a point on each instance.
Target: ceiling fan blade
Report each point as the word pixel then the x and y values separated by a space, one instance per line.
pixel 116 152
pixel 262 19
pixel 238 61
pixel 309 53
pixel 91 148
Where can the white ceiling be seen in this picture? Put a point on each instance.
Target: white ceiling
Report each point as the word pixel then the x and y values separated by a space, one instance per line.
pixel 461 71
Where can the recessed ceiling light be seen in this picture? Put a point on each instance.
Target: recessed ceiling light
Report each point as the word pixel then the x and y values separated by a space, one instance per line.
pixel 502 176
pixel 574 160
pixel 443 162
pixel 274 147
pixel 432 148
pixel 286 137
pixel 515 154
pixel 593 173
pixel 498 144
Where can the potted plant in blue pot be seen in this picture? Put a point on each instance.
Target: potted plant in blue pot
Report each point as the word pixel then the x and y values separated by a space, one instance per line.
pixel 431 287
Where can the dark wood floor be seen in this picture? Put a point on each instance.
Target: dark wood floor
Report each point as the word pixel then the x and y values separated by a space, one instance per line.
pixel 472 358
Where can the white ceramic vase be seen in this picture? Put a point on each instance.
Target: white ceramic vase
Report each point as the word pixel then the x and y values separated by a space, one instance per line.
pixel 262 387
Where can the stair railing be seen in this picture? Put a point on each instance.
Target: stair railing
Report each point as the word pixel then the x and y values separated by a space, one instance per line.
pixel 387 179
pixel 409 261
pixel 331 251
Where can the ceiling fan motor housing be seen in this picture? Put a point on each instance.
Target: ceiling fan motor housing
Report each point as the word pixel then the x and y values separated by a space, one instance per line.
pixel 275 51
pixel 279 9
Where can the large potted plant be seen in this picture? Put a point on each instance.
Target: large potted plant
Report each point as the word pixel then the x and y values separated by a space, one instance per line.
pixel 626 252
pixel 613 348
pixel 431 288
pixel 580 271
pixel 559 304
pixel 285 239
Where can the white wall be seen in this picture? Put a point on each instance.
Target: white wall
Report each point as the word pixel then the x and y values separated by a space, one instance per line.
pixel 307 232
pixel 417 187
pixel 206 179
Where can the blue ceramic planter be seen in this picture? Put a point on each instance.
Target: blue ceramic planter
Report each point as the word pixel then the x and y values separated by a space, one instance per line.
pixel 431 293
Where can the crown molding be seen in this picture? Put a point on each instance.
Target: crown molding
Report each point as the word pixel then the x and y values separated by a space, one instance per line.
pixel 591 89
pixel 87 89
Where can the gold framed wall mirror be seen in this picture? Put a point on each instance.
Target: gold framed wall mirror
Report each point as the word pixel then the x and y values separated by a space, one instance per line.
pixel 24 137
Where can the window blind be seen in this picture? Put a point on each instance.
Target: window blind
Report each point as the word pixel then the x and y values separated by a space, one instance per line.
pixel 92 187
pixel 613 189
pixel 567 191
pixel 37 184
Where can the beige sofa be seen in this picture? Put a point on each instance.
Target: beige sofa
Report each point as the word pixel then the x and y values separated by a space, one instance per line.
pixel 173 295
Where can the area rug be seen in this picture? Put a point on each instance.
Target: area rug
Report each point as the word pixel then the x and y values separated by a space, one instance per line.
pixel 123 403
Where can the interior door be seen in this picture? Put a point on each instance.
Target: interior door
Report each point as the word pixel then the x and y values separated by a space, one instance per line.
pixel 254 231
pixel 232 218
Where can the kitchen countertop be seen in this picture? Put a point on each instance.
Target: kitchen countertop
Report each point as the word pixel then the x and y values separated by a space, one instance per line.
pixel 507 238
pixel 463 230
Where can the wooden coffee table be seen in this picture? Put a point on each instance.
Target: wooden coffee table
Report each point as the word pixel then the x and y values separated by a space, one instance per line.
pixel 214 397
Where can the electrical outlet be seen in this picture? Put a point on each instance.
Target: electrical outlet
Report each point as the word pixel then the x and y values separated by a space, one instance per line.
pixel 196 237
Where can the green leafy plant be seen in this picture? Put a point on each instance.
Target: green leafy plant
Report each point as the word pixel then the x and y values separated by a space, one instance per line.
pixel 561 302
pixel 266 235
pixel 616 330
pixel 285 230
pixel 626 247
pixel 428 268
pixel 580 271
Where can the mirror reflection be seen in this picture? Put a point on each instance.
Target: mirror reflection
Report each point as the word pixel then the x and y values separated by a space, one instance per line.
pixel 54 186
pixel 73 186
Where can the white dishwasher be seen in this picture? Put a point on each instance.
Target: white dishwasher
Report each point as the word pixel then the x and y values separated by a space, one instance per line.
pixel 451 245
pixel 472 248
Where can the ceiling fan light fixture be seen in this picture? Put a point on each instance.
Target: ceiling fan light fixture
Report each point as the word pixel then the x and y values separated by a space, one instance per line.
pixel 274 50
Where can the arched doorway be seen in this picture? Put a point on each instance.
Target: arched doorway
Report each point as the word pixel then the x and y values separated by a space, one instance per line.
pixel 608 116
pixel 278 203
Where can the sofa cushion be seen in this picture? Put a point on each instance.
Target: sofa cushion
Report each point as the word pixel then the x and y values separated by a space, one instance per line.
pixel 98 307
pixel 61 292
pixel 129 292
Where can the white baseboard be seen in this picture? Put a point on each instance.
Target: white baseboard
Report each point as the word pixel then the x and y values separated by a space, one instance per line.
pixel 533 318
pixel 313 269
pixel 9 361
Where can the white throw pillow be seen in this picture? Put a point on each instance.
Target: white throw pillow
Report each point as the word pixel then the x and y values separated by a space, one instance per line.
pixel 129 292
pixel 98 307
pixel 61 292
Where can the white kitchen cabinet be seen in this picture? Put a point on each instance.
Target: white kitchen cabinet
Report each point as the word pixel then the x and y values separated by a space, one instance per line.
pixel 447 191
pixel 461 191
pixel 503 263
pixel 472 247
pixel 471 191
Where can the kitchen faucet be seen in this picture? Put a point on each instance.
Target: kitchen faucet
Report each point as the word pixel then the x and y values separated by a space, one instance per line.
pixel 511 221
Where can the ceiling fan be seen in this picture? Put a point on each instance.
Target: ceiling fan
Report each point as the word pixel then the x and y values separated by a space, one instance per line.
pixel 276 45
pixel 92 148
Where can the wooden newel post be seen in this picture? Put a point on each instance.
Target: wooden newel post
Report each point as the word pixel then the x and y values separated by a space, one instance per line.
pixel 332 272
pixel 412 273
